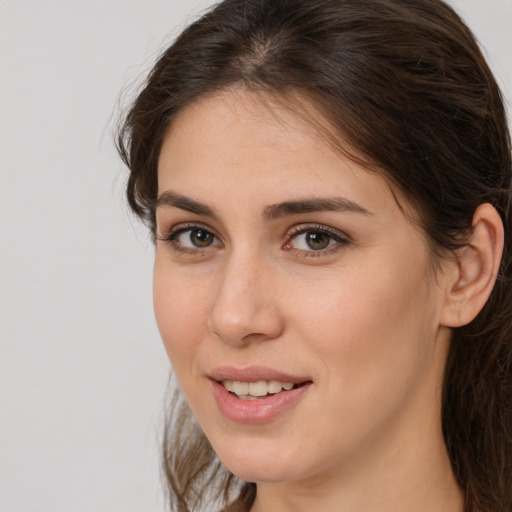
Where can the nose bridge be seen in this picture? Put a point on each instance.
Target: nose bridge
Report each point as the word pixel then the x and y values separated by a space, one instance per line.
pixel 245 306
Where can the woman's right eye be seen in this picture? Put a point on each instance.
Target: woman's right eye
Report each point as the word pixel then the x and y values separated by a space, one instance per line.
pixel 191 238
pixel 195 238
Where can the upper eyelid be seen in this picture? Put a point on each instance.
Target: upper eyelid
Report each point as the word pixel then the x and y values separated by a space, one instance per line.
pixel 305 227
pixel 185 226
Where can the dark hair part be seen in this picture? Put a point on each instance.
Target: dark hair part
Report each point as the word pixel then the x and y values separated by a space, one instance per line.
pixel 404 83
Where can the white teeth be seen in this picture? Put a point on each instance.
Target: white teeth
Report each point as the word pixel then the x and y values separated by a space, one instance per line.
pixel 240 388
pixel 251 390
pixel 274 386
pixel 259 388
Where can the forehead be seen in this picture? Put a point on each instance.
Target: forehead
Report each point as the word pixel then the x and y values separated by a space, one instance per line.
pixel 248 121
pixel 254 146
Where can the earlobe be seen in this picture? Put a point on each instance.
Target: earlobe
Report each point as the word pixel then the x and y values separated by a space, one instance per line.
pixel 475 270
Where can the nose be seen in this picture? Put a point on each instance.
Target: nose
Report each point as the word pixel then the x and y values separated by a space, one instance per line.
pixel 246 307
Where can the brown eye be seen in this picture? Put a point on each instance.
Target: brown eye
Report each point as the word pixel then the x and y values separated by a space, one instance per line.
pixel 317 240
pixel 200 238
pixel 313 239
pixel 192 238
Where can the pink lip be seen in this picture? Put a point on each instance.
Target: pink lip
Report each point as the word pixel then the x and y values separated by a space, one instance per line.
pixel 255 411
pixel 254 374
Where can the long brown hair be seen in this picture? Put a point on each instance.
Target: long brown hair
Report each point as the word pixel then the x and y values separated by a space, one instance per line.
pixel 406 85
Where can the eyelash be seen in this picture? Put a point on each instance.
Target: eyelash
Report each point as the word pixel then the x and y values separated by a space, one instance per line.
pixel 339 238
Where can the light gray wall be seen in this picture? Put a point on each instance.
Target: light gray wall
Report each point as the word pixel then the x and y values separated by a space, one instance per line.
pixel 82 370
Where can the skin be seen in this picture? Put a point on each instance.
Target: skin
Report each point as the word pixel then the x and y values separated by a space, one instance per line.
pixel 363 318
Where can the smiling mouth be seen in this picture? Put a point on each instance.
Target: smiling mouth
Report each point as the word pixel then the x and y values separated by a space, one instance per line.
pixel 258 390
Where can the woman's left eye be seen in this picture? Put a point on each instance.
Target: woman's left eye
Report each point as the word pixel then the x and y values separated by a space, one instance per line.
pixel 315 240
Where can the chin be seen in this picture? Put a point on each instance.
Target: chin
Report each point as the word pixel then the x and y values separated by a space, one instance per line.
pixel 260 464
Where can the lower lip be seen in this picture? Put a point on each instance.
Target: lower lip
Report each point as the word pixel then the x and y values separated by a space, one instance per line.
pixel 256 411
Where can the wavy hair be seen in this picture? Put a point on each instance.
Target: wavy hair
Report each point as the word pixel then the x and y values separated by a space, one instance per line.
pixel 405 84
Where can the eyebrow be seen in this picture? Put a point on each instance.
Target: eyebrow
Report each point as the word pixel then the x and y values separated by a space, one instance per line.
pixel 338 204
pixel 271 212
pixel 184 203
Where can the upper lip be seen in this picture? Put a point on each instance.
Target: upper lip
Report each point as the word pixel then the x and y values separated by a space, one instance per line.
pixel 254 374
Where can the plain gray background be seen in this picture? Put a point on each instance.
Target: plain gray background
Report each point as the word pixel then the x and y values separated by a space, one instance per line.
pixel 82 369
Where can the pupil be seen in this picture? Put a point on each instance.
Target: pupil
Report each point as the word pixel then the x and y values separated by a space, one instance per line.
pixel 317 240
pixel 201 238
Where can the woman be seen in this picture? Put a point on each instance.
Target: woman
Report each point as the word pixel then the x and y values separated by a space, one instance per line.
pixel 329 186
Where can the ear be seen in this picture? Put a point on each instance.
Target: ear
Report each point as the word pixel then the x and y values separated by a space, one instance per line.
pixel 472 277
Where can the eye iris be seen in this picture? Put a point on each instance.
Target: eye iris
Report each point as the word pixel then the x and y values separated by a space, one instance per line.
pixel 317 240
pixel 201 238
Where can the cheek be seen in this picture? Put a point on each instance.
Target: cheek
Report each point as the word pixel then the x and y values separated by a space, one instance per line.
pixel 373 331
pixel 180 315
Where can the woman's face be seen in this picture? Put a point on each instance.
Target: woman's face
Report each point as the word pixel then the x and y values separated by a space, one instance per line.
pixel 281 262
